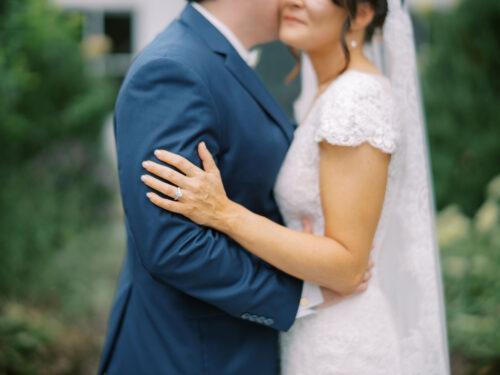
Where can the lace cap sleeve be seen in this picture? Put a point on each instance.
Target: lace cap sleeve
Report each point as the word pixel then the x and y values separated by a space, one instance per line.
pixel 359 108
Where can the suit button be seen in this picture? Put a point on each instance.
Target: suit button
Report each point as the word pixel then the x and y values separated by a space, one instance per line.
pixel 261 320
pixel 253 318
pixel 269 321
pixel 245 316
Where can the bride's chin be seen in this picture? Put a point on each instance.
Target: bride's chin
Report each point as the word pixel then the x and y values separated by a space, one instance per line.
pixel 290 41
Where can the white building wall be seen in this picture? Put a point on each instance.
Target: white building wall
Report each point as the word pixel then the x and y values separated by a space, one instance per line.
pixel 150 16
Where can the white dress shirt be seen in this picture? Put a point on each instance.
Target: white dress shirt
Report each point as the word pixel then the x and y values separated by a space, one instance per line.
pixel 250 57
pixel 311 293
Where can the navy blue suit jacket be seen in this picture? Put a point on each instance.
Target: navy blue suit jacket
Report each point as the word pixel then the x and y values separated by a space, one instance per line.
pixel 190 300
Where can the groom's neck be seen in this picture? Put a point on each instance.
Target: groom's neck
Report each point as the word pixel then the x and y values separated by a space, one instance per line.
pixel 235 16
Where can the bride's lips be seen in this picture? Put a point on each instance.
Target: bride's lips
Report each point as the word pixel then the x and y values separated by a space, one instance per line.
pixel 289 18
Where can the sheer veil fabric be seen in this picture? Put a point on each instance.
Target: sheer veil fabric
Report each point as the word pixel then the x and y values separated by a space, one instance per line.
pixel 409 266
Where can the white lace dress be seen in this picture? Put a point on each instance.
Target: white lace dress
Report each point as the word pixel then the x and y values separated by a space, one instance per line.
pixel 356 336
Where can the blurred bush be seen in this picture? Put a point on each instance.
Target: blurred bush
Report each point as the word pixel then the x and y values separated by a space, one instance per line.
pixel 471 263
pixel 64 335
pixel 51 115
pixel 461 86
pixel 46 96
pixel 51 193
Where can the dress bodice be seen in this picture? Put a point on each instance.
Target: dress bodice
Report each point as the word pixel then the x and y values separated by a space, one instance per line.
pixel 357 335
pixel 357 107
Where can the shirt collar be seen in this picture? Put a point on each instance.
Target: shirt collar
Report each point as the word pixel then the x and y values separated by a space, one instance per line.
pixel 250 57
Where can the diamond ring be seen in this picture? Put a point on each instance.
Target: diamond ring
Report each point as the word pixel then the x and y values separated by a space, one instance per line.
pixel 178 193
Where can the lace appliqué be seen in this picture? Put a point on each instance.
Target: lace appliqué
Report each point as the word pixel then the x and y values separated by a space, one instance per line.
pixel 358 108
pixel 358 335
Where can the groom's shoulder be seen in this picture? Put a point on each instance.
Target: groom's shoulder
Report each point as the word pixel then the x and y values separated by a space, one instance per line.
pixel 176 48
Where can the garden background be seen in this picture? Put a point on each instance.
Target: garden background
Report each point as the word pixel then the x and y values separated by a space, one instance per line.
pixel 61 230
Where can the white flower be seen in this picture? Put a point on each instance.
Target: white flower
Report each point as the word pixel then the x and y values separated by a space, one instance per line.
pixel 455 266
pixel 487 217
pixel 494 188
pixel 452 226
pixel 96 46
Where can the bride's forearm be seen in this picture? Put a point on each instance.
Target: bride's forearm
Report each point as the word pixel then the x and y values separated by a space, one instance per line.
pixel 318 259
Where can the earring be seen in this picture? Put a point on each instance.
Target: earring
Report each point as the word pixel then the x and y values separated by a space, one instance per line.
pixel 354 44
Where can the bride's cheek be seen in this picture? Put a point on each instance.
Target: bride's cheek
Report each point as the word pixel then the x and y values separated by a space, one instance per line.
pixel 317 5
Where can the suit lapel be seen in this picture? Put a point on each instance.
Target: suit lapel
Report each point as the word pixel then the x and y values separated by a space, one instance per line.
pixel 252 83
pixel 239 69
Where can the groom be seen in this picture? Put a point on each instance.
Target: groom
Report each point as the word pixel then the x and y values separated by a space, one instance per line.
pixel 190 300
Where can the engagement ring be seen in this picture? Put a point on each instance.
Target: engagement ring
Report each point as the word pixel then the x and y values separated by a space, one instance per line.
pixel 178 194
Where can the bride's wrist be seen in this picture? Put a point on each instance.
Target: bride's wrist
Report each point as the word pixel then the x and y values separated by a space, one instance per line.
pixel 230 217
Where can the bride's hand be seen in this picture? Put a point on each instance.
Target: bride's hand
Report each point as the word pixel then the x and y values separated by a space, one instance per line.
pixel 331 297
pixel 204 199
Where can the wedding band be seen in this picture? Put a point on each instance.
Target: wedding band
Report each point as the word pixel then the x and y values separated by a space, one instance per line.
pixel 178 194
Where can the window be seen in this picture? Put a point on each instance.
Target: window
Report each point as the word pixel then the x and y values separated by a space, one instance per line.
pixel 111 34
pixel 118 27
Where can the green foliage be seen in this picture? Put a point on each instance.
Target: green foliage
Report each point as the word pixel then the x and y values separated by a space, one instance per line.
pixel 52 191
pixel 35 341
pixel 461 84
pixel 44 205
pixel 58 259
pixel 51 114
pixel 65 334
pixel 22 345
pixel 471 263
pixel 46 94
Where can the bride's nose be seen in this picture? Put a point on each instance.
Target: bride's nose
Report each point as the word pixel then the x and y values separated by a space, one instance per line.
pixel 294 3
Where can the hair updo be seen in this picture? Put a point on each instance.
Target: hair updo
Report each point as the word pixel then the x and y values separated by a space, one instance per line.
pixel 380 8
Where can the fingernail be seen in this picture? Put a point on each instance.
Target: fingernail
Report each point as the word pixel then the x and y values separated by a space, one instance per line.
pixel 146 164
pixel 150 195
pixel 143 177
pixel 203 144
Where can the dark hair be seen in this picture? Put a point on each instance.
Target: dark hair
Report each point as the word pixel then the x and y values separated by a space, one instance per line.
pixel 380 8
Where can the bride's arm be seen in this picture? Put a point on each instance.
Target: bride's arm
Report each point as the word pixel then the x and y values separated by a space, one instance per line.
pixel 353 182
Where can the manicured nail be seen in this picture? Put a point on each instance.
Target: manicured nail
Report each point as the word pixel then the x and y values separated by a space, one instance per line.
pixel 150 195
pixel 146 164
pixel 143 177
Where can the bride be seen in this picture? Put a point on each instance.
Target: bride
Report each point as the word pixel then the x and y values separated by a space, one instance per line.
pixel 358 168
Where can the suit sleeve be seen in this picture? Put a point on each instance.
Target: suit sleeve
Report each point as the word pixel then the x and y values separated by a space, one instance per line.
pixel 166 105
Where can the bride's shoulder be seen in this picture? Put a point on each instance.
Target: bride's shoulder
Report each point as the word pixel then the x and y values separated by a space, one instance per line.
pixel 359 107
pixel 354 85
